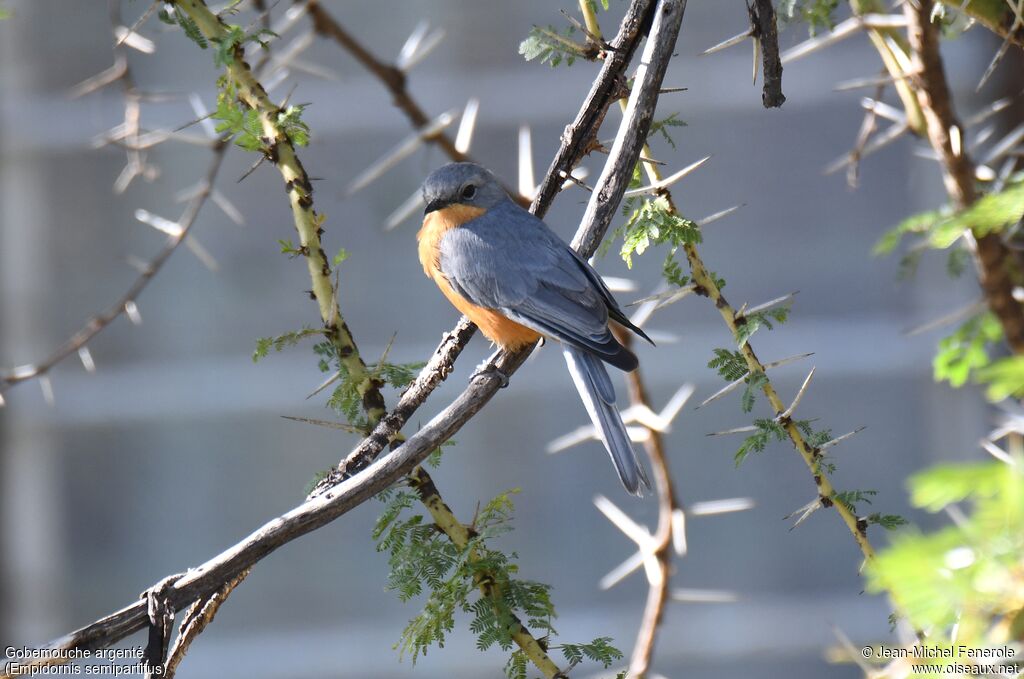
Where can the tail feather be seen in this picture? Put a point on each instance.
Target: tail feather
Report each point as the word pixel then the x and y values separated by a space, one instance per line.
pixel 598 395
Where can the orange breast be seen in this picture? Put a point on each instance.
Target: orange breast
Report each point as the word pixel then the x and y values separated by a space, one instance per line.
pixel 505 333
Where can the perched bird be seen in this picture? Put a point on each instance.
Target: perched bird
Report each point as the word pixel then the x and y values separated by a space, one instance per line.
pixel 518 281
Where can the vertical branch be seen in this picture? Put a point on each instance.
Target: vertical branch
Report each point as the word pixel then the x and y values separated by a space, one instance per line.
pixel 998 270
pixel 281 151
pixel 765 30
pixel 658 591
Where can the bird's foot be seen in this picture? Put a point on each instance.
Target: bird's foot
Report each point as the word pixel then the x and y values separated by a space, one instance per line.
pixel 487 368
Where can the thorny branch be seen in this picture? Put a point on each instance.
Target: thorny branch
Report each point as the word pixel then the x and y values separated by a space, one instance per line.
pixel 393 77
pixel 136 164
pixel 334 501
pixel 764 29
pixel 998 269
pixel 668 505
pixel 577 141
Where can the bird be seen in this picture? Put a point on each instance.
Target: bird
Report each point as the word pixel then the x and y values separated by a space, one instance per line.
pixel 507 271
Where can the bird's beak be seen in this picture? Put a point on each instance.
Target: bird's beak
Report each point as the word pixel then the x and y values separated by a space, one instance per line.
pixel 435 204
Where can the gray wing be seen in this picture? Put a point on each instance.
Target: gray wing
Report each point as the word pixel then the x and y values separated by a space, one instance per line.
pixel 511 261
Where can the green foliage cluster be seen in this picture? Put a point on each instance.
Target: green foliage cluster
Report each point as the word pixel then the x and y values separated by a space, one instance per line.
pixel 939 229
pixel 549 46
pixel 236 37
pixel 662 127
pixel 244 123
pixel 965 354
pixel 653 222
pixel 748 324
pixel 475 579
pixel 968 574
pixel 817 14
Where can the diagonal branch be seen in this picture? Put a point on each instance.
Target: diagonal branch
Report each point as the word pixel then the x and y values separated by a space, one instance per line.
pixel 998 269
pixel 336 501
pixel 577 142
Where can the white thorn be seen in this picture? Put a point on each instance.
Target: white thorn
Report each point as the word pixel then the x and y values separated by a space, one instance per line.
pixel 997 452
pixel 712 507
pixel 769 304
pixel 717 215
pixel 400 152
pixel 412 43
pixel 202 254
pixel 787 360
pixel 668 181
pixel 955 141
pixel 527 184
pixel 403 211
pixel 619 573
pixel 2 401
pixel 722 392
pixel 616 284
pixel 757 59
pixel 464 137
pixel 679 531
pixel 991 68
pixel 989 111
pixel 891 134
pixel 734 430
pixel 839 439
pixel 86 357
pixel 621 520
pixel 727 43
pixel 884 110
pixel 47 388
pixel 21 372
pixel 799 395
pixel 276 78
pixel 134 40
pixel 227 207
pixel 1004 145
pixel 703 596
pixel 323 385
pixel 946 319
pixel 418 46
pixel 131 309
pixel 172 229
pixel 203 114
pixel 573 438
pixel 805 511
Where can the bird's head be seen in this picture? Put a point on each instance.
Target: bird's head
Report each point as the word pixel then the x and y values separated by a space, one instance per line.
pixel 466 184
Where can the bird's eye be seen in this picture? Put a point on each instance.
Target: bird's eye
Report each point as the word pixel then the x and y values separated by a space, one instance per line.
pixel 469 192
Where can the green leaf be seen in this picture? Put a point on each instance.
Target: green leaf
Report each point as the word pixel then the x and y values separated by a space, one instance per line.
pixel 989 214
pixel 1004 378
pixel 966 350
pixel 282 342
pixel 654 222
pixel 817 14
pixel 756 442
pixel 919 223
pixel 190 28
pixel 342 255
pixel 944 484
pixel 748 324
pixel 730 365
pixel 551 47
pixel 661 127
pixel 290 122
pixel 850 498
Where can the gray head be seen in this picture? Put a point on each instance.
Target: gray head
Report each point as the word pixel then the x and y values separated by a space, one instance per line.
pixel 462 184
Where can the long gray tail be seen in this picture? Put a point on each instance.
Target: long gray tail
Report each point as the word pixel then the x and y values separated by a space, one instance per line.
pixel 595 387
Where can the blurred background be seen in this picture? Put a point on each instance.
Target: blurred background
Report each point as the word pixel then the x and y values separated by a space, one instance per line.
pixel 175 448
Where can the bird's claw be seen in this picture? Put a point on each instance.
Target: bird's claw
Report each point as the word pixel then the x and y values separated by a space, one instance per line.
pixel 487 369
